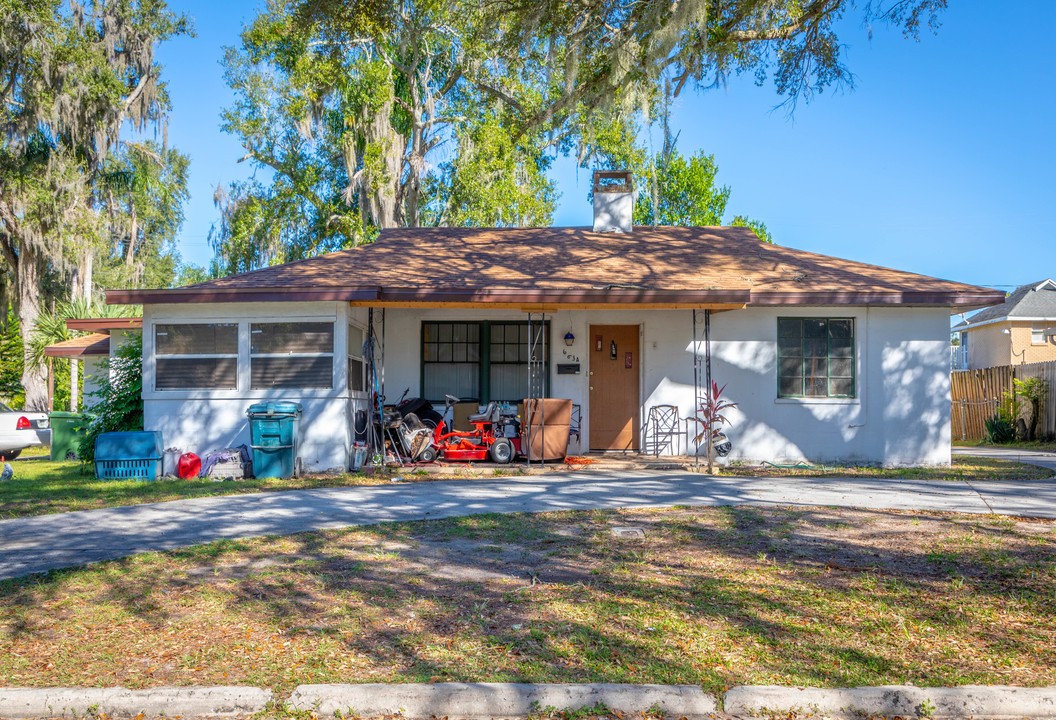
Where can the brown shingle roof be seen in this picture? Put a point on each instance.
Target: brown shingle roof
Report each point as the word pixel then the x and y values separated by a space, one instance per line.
pixel 94 344
pixel 661 264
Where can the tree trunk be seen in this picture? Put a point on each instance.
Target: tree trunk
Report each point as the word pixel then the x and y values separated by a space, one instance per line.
pixel 132 233
pixel 29 272
pixel 81 285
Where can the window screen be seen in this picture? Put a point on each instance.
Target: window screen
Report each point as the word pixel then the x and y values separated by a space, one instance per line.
pixel 291 355
pixel 451 359
pixel 485 360
pixel 816 357
pixel 201 356
pixel 508 368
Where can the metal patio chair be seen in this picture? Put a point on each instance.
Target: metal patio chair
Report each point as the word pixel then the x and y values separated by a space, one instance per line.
pixel 666 428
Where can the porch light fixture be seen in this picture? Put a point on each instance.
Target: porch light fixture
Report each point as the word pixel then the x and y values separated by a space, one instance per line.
pixel 569 338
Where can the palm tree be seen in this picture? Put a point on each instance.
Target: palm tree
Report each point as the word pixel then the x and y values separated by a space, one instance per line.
pixel 51 328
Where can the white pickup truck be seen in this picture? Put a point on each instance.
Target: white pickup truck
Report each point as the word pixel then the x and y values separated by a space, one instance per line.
pixel 20 430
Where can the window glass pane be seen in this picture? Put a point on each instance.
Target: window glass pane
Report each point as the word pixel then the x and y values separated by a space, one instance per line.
pixel 355 340
pixel 792 385
pixel 291 372
pixel 355 375
pixel 789 328
pixel 817 387
pixel 790 346
pixel 841 367
pixel 840 329
pixel 280 338
pixel 443 352
pixel 429 332
pixel 196 373
pixel 815 347
pixel 458 352
pixel 444 332
pixel 841 348
pixel 473 352
pixel 841 387
pixel 791 366
pixel 814 328
pixel 203 339
pixel 496 351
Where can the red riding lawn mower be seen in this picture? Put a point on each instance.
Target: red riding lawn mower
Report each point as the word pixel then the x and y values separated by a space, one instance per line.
pixel 495 437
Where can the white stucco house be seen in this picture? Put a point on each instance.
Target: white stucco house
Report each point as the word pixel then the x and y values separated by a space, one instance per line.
pixel 829 360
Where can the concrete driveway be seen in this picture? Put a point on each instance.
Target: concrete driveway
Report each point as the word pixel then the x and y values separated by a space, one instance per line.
pixel 46 542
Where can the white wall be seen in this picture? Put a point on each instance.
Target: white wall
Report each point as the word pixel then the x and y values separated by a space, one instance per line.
pixel 900 415
pixel 203 420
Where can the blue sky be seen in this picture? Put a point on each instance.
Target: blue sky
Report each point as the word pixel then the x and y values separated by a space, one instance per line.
pixel 941 160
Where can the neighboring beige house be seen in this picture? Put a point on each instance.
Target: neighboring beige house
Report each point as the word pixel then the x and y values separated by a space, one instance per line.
pixel 1021 330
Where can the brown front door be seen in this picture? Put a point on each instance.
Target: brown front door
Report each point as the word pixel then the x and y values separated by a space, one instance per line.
pixel 614 372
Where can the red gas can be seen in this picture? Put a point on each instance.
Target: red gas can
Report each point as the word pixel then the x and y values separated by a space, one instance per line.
pixel 189 466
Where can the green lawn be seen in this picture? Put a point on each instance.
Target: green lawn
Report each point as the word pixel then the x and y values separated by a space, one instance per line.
pixel 709 596
pixel 41 487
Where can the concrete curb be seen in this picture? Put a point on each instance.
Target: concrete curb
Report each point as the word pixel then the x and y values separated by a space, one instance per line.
pixel 482 701
pixel 981 701
pixel 121 702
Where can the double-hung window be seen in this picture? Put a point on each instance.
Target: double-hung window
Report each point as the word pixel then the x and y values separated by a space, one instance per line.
pixel 291 355
pixel 815 357
pixel 480 360
pixel 196 356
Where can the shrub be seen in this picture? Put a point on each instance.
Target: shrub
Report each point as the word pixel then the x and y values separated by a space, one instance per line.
pixel 1000 429
pixel 119 404
pixel 1034 390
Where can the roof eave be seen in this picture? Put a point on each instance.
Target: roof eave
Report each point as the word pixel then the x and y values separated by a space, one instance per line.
pixel 981 298
pixel 607 295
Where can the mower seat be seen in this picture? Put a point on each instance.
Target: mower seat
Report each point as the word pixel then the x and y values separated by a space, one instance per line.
pixel 490 414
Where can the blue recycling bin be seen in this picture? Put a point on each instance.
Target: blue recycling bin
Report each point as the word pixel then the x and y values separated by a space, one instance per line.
pixel 131 455
pixel 274 429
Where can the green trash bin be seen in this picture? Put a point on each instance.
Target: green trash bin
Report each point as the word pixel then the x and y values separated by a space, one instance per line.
pixel 67 429
pixel 274 429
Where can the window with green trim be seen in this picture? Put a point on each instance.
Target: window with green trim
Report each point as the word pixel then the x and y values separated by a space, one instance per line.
pixel 477 360
pixel 815 357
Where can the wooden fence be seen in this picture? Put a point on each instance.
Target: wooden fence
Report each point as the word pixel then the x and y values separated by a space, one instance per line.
pixel 976 394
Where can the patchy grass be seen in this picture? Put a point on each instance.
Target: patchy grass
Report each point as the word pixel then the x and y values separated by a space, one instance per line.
pixel 41 487
pixel 1035 445
pixel 714 596
pixel 964 468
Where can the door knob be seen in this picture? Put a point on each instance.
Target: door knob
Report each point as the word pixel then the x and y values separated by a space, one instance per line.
pixel 591 387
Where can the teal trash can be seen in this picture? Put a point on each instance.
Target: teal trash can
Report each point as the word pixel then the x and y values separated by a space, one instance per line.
pixel 274 429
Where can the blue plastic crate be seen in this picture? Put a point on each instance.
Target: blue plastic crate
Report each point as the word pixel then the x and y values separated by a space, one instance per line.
pixel 132 455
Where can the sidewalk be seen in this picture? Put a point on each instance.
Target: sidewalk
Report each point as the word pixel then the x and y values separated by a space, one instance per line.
pixel 47 542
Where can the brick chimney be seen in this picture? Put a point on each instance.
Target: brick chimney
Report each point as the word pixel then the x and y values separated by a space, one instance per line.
pixel 613 200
